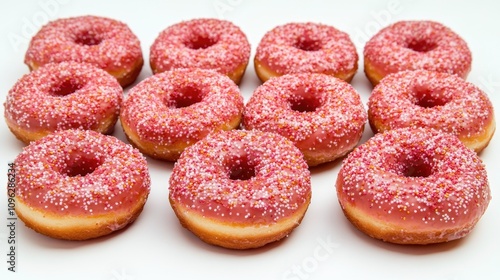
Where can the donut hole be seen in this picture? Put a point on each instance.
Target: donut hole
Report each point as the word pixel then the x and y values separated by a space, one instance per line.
pixel 426 97
pixel 241 168
pixel 421 45
pixel 184 97
pixel 87 38
pixel 66 87
pixel 307 44
pixel 304 101
pixel 414 164
pixel 80 164
pixel 200 42
pixel 417 169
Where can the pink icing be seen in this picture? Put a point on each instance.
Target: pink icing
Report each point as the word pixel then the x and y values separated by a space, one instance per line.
pixel 201 43
pixel 430 99
pixel 155 108
pixel 204 179
pixel 106 43
pixel 413 45
pixel 63 96
pixel 415 178
pixel 81 172
pixel 307 47
pixel 334 120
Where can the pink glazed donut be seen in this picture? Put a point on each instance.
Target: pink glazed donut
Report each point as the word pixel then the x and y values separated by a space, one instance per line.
pixel 415 45
pixel 322 115
pixel 241 189
pixel 413 186
pixel 435 100
pixel 107 43
pixel 202 43
pixel 306 48
pixel 80 184
pixel 59 96
pixel 170 111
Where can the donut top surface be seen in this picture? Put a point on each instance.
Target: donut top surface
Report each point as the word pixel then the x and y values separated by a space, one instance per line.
pixel 181 105
pixel 242 177
pixel 77 172
pixel 301 106
pixel 106 43
pixel 412 45
pixel 429 99
pixel 63 96
pixel 421 177
pixel 307 47
pixel 201 43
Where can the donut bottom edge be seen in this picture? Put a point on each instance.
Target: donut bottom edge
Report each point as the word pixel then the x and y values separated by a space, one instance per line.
pixel 372 73
pixel 127 76
pixel 480 142
pixel 264 72
pixel 236 75
pixel 77 227
pixel 124 76
pixel 392 233
pixel 318 156
pixel 376 74
pixel 237 236
pixel 106 126
pixel 170 152
pixel 476 142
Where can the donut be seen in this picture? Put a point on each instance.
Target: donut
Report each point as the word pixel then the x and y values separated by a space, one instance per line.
pixel 413 186
pixel 202 43
pixel 172 110
pixel 240 189
pixel 306 48
pixel 59 96
pixel 107 43
pixel 322 115
pixel 416 45
pixel 80 184
pixel 442 101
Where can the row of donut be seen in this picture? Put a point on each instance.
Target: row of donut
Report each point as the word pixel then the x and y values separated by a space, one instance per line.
pixel 166 113
pixel 243 189
pixel 222 46
pixel 172 110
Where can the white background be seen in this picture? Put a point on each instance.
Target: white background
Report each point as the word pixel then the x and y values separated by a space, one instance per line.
pixel 156 246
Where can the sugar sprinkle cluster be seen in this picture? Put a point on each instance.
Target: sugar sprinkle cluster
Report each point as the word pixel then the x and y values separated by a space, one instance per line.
pixel 150 110
pixel 201 177
pixel 201 43
pixel 430 99
pixel 307 47
pixel 81 172
pixel 412 45
pixel 107 43
pixel 63 95
pixel 381 178
pixel 336 121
